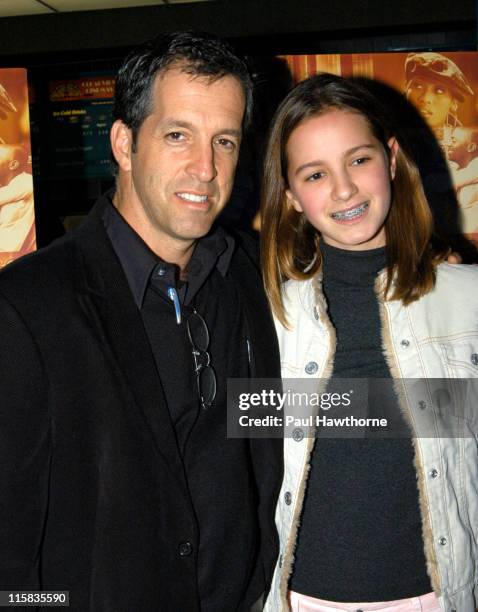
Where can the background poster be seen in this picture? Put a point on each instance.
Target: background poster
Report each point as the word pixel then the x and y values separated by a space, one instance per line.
pixel 443 87
pixel 79 124
pixel 17 213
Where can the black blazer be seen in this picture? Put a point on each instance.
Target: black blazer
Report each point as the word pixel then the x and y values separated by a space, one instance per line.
pixel 93 494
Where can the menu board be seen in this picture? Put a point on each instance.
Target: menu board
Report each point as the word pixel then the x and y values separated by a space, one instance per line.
pixel 79 125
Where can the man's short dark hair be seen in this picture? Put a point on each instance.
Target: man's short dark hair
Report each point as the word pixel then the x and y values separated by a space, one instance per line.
pixel 196 54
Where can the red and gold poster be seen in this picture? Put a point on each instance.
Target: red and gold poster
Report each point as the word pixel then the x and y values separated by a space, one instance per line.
pixel 17 214
pixel 443 87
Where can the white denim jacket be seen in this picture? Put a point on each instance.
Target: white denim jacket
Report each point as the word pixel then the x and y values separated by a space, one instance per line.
pixel 435 337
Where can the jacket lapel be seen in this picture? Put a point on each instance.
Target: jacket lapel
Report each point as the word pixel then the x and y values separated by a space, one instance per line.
pixel 106 298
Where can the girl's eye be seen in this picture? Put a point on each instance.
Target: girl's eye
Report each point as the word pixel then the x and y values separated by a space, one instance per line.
pixel 360 160
pixel 315 177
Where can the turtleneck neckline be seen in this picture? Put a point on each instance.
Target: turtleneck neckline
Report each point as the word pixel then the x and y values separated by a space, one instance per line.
pixel 347 267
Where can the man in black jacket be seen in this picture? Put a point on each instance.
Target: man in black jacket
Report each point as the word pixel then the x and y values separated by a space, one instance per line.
pixel 118 482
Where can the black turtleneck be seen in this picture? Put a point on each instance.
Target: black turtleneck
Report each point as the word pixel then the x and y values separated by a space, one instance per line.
pixel 360 538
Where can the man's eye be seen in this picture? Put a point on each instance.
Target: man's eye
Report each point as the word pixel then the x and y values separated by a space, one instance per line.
pixel 225 143
pixel 175 136
pixel 439 90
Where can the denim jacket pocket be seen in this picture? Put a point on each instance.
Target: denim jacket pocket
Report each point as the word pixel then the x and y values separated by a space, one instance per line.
pixel 461 356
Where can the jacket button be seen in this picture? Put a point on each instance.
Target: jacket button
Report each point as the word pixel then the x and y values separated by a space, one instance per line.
pixel 434 473
pixel 185 549
pixel 474 359
pixel 298 435
pixel 443 541
pixel 422 405
pixel 311 367
pixel 288 498
pixel 405 342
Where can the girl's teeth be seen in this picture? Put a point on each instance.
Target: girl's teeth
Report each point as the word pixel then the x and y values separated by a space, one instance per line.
pixel 350 214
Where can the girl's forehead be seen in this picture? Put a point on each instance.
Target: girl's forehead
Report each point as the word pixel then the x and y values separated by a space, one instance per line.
pixel 330 125
pixel 334 114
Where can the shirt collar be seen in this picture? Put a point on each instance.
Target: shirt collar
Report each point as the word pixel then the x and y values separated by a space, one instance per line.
pixel 138 261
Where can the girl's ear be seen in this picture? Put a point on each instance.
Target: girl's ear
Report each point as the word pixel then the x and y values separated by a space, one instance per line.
pixel 394 148
pixel 293 201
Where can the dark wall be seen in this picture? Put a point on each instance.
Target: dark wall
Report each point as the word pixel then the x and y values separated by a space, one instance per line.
pixel 342 19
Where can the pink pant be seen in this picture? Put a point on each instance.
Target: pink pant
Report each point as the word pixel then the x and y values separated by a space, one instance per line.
pixel 425 603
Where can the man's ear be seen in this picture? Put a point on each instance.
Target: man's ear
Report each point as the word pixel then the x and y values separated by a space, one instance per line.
pixel 292 200
pixel 121 139
pixel 394 148
pixel 14 164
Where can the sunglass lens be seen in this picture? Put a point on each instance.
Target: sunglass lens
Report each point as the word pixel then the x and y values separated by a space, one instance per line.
pixel 207 383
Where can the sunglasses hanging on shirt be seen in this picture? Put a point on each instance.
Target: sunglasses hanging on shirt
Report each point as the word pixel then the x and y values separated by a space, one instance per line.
pixel 205 375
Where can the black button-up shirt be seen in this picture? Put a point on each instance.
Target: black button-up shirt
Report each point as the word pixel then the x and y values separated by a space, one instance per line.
pixel 217 469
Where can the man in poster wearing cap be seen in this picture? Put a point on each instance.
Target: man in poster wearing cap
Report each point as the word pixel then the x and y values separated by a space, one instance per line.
pixel 436 86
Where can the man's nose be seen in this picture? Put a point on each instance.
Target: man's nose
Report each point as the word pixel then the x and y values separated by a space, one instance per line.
pixel 202 163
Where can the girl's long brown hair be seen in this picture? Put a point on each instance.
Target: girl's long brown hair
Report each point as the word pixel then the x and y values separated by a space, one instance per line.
pixel 290 244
